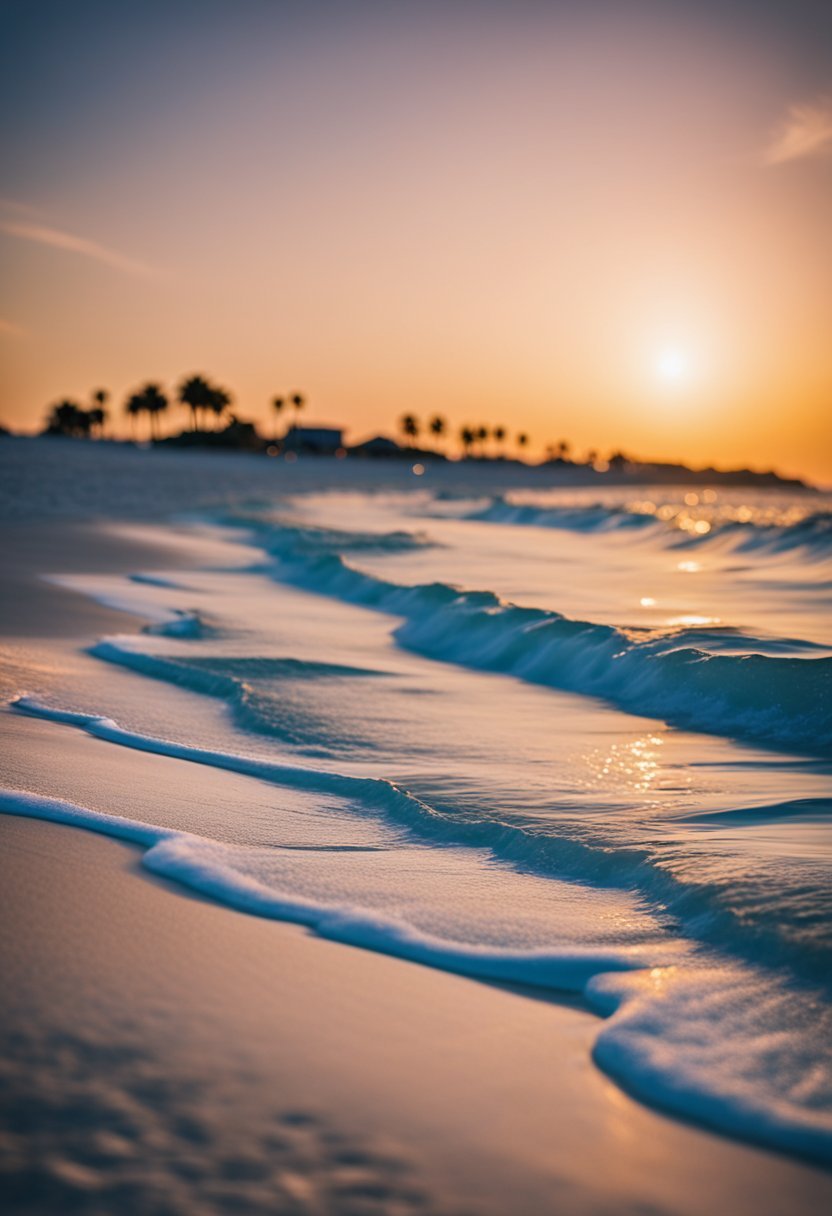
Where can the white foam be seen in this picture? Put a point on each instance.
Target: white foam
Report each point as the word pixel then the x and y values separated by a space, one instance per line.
pixel 375 791
pixel 718 1045
pixel 229 873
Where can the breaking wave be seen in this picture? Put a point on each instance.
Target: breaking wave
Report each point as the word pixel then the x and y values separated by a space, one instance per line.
pixel 678 675
pixel 678 524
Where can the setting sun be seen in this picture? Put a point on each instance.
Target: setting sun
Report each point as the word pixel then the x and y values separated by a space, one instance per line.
pixel 673 365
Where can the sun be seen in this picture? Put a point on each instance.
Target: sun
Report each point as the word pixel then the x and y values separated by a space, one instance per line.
pixel 672 365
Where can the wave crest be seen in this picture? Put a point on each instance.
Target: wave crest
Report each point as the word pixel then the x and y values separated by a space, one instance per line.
pixel 779 700
pixel 677 525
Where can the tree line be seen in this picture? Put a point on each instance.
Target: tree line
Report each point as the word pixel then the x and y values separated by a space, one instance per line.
pixel 207 401
pixel 196 393
pixel 492 442
pixel 474 439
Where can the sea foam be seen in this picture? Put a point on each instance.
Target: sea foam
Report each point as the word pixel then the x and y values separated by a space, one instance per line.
pixel 726 909
pixel 717 1044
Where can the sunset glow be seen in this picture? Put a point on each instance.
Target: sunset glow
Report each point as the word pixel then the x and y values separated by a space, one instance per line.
pixel 493 214
pixel 673 365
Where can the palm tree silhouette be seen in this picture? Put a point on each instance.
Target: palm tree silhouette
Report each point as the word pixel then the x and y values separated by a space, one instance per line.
pixel 482 436
pixel 466 435
pixel 438 426
pixel 156 403
pixel 69 418
pixel 148 400
pixel 298 403
pixel 98 414
pixel 410 427
pixel 522 441
pixel 195 392
pixel 219 400
pixel 278 404
pixel 499 435
pixel 97 417
pixel 133 407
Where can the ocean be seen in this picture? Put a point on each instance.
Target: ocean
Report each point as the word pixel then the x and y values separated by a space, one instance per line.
pixel 571 741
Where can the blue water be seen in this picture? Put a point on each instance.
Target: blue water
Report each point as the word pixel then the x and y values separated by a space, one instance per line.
pixel 574 743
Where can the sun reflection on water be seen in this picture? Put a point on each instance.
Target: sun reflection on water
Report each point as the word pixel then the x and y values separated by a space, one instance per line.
pixel 634 766
pixel 694 620
pixel 700 512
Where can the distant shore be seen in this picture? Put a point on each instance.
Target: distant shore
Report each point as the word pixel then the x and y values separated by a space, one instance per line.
pixel 77 479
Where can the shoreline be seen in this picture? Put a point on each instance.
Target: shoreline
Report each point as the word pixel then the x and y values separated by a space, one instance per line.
pixel 205 997
pixel 488 1095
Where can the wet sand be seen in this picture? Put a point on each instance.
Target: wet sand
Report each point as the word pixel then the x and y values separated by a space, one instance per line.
pixel 160 1047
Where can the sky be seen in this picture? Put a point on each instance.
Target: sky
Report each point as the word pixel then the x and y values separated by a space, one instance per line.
pixel 609 223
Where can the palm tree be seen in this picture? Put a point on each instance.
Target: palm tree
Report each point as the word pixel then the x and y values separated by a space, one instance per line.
pixel 438 426
pixel 500 435
pixel 148 400
pixel 154 403
pixel 482 436
pixel 466 435
pixel 195 392
pixel 278 404
pixel 97 417
pixel 564 448
pixel 133 407
pixel 68 418
pixel 98 413
pixel 410 427
pixel 298 403
pixel 218 401
pixel 522 441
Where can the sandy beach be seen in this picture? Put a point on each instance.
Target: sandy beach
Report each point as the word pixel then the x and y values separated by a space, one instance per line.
pixel 415 608
pixel 162 1052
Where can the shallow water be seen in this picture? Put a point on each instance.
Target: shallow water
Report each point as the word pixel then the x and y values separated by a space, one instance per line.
pixel 576 743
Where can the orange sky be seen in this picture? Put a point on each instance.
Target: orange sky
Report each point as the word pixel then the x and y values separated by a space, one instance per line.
pixel 611 229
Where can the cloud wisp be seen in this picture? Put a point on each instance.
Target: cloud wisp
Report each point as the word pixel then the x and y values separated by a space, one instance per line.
pixel 806 131
pixel 58 239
